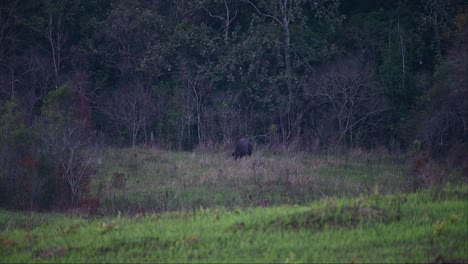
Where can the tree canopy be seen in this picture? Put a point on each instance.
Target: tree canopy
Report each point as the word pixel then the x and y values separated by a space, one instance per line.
pixel 324 73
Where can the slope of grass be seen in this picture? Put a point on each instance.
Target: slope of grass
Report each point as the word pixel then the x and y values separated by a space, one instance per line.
pixel 160 181
pixel 420 227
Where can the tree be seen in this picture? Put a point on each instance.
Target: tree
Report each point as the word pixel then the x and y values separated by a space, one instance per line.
pixel 21 184
pixel 129 41
pixel 281 11
pixel 131 106
pixel 439 14
pixel 247 65
pixel 197 51
pixel 8 38
pixel 445 121
pixel 288 15
pixel 69 142
pixel 345 86
pixel 51 23
pixel 227 19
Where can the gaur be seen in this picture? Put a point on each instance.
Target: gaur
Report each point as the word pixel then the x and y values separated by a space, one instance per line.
pixel 244 147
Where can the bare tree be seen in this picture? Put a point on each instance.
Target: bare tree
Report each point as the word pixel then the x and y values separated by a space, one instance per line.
pixel 346 87
pixel 196 90
pixel 33 76
pixel 132 106
pixel 74 150
pixel 227 19
pixel 68 140
pixel 228 112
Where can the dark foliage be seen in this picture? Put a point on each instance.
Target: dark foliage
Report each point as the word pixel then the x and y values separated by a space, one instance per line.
pixel 323 75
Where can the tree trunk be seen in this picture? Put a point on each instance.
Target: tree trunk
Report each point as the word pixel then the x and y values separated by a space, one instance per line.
pixel 287 60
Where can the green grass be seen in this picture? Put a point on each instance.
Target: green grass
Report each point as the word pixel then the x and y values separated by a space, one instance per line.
pixel 419 227
pixel 172 181
pixel 282 207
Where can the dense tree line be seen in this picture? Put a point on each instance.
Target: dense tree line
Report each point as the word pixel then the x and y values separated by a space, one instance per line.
pixel 316 74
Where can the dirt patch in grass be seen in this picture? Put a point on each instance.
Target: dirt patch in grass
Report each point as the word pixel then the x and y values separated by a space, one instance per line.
pixel 319 219
pixel 343 217
pixel 50 253
pixel 149 243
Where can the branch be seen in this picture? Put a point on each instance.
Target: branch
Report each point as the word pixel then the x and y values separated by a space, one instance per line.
pixel 263 14
pixel 227 10
pixel 215 16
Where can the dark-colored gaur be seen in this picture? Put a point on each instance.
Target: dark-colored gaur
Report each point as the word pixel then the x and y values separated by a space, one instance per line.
pixel 244 147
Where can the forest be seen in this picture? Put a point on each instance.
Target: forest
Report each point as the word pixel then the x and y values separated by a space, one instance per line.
pixel 307 75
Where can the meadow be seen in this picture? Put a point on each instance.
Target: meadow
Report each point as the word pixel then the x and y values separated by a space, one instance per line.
pixel 416 227
pixel 162 206
pixel 161 181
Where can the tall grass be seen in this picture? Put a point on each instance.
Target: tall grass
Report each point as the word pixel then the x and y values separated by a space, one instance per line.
pixel 144 180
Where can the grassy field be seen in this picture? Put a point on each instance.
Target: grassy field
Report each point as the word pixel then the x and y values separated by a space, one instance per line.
pixel 418 227
pixel 161 181
pixel 162 206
